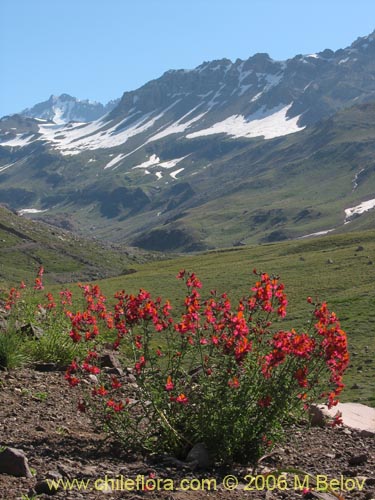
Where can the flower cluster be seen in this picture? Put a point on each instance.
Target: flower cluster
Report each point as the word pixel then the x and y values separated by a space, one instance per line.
pixel 217 374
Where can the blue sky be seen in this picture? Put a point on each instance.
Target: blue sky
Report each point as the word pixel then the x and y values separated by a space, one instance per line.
pixel 97 49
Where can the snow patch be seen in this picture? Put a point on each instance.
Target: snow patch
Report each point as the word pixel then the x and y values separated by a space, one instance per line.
pixel 256 97
pixel 175 173
pixel 355 179
pixel 178 127
pixel 96 135
pixel 271 81
pixel 5 167
pixel 319 233
pixel 365 206
pixel 114 161
pixel 19 162
pixel 267 123
pixel 30 211
pixel 244 88
pixel 171 163
pixel 153 160
pixel 19 141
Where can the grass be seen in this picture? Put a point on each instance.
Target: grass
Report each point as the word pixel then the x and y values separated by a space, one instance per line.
pixel 25 244
pixel 11 356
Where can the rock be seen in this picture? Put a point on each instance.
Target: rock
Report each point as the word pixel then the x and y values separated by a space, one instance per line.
pixel 46 367
pixel 31 331
pixel 89 470
pixel 14 463
pixel 358 459
pixel 198 456
pixel 109 360
pixel 329 261
pixel 43 487
pixel 317 417
pixel 3 324
pixel 355 416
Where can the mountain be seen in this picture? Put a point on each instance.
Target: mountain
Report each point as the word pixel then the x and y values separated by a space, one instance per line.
pixel 65 108
pixel 25 245
pixel 225 154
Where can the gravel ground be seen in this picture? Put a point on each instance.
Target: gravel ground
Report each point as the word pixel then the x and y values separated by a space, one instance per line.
pixel 37 416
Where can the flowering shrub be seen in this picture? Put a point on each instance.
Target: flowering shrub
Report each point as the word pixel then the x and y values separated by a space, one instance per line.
pixel 219 374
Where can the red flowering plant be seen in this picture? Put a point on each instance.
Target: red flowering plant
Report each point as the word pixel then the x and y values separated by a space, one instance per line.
pixel 220 374
pixel 38 324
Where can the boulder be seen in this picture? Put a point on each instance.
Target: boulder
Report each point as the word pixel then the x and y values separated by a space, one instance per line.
pixel 14 463
pixel 354 416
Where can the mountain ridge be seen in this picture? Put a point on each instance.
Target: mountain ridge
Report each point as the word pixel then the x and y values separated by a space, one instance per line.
pixel 65 108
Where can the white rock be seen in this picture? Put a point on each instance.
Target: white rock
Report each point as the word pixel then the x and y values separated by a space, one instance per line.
pixel 354 415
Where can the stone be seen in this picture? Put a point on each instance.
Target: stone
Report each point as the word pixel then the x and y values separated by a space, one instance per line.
pixel 358 459
pixel 198 456
pixel 43 487
pixel 111 363
pixel 14 463
pixel 317 417
pixel 31 331
pixel 355 416
pixel 46 367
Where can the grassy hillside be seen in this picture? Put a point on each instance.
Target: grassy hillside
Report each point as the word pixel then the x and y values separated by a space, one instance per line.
pixel 339 269
pixel 25 245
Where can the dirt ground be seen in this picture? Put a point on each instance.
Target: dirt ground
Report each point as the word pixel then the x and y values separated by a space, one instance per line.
pixel 37 416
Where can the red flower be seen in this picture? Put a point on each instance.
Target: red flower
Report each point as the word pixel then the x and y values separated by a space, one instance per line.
pixel 234 383
pixel 115 406
pixel 100 391
pixel 182 399
pixel 81 406
pixel 73 381
pixel 337 420
pixel 115 383
pixel 140 364
pixel 265 402
pixel 169 386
